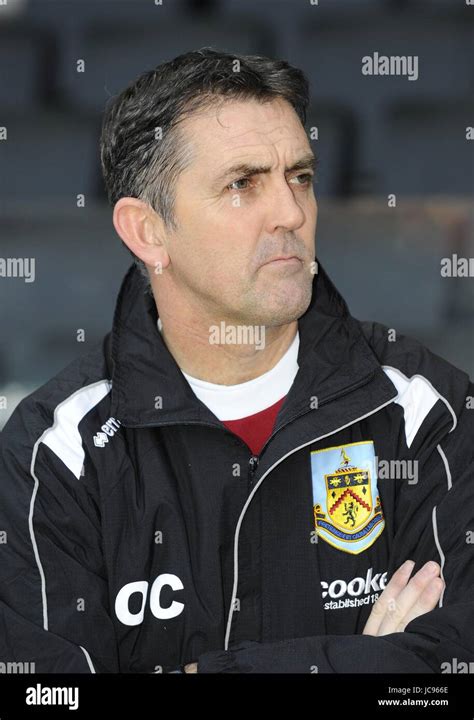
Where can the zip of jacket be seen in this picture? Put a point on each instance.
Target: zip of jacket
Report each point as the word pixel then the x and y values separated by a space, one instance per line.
pixel 252 494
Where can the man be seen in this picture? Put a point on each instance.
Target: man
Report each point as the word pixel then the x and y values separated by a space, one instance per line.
pixel 243 477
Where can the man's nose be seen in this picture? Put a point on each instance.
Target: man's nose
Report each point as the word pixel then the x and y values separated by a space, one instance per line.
pixel 284 210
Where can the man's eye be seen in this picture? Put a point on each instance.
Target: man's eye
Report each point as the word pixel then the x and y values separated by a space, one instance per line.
pixel 306 178
pixel 240 180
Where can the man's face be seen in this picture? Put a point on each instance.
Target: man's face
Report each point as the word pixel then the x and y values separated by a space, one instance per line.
pixel 231 224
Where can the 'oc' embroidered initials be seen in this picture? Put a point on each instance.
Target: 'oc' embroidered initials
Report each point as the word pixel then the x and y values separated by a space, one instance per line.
pixel 347 510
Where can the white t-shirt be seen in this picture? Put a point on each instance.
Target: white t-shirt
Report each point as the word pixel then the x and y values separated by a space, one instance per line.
pixel 232 402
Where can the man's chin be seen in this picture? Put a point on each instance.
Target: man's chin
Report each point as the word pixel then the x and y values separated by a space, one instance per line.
pixel 286 311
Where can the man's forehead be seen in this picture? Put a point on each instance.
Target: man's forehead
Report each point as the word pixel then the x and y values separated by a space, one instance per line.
pixel 246 132
pixel 238 124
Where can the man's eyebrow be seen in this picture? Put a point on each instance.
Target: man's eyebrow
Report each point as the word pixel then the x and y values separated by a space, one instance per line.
pixel 245 169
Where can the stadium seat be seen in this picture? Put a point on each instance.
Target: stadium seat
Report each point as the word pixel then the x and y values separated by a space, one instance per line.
pixel 386 262
pixel 334 148
pixel 426 150
pixel 26 63
pixel 79 264
pixel 48 154
pixel 109 69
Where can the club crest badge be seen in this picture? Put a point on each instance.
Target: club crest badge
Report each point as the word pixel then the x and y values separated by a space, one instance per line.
pixel 347 510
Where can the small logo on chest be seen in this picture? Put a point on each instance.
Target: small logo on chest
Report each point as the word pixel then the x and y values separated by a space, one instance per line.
pixel 107 431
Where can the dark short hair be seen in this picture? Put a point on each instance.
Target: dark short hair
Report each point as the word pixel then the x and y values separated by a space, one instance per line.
pixel 142 150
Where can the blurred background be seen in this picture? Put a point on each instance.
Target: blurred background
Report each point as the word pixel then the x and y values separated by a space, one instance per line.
pixel 376 136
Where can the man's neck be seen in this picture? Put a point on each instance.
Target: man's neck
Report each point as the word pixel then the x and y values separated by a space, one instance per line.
pixel 224 363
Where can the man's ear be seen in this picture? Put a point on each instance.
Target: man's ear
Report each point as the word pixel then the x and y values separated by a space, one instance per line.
pixel 142 231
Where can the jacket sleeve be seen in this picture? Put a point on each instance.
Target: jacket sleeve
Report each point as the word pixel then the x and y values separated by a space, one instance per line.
pixel 54 614
pixel 434 520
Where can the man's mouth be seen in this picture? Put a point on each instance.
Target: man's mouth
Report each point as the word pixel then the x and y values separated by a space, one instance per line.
pixel 290 260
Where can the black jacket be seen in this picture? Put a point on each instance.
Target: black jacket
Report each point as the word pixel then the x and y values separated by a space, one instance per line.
pixel 138 534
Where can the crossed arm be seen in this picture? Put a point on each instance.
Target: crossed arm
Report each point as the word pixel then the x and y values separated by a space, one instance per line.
pixel 404 599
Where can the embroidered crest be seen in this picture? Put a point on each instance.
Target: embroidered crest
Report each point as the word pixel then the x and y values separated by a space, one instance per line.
pixel 346 503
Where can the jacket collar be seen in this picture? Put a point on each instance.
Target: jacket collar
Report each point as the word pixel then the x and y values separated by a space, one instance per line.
pixel 334 358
